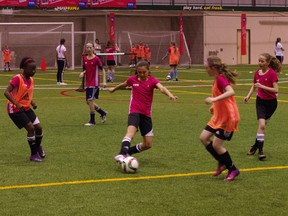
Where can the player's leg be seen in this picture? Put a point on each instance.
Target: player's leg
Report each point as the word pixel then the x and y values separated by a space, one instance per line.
pixel 89 100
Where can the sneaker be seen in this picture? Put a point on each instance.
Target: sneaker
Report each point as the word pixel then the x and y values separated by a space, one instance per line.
pixel 232 175
pixel 261 156
pixel 35 158
pixel 62 83
pixel 41 152
pixel 219 170
pixel 103 118
pixel 90 124
pixel 58 83
pixel 119 158
pixel 252 150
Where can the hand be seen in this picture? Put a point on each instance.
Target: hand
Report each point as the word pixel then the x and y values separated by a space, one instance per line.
pixel 174 98
pixel 111 90
pixel 246 99
pixel 209 100
pixel 257 85
pixel 81 75
pixel 20 107
pixel 34 106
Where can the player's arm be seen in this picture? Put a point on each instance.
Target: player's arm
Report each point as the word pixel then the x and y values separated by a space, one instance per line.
pixel 10 98
pixel 273 89
pixel 165 91
pixel 121 85
pixel 81 75
pixel 33 104
pixel 229 91
pixel 252 89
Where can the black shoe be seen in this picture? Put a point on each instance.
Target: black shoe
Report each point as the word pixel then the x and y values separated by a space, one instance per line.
pixel 261 156
pixel 252 150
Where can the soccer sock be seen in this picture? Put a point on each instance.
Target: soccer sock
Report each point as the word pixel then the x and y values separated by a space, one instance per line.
pixel 176 73
pixel 135 149
pixel 212 151
pixel 92 117
pixel 126 142
pixel 108 75
pixel 171 75
pixel 32 144
pixel 38 140
pixel 260 141
pixel 226 159
pixel 100 111
pixel 112 76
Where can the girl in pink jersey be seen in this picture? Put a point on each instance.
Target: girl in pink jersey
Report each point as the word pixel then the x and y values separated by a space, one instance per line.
pixel 143 85
pixel 225 116
pixel 20 99
pixel 93 67
pixel 266 81
pixel 110 59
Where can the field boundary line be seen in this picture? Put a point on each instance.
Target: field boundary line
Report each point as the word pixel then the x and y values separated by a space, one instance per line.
pixel 131 178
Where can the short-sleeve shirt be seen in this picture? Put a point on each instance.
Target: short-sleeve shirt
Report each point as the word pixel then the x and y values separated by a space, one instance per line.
pixel 93 67
pixel 6 55
pixel 278 49
pixel 61 49
pixel 142 94
pixel 110 50
pixel 266 79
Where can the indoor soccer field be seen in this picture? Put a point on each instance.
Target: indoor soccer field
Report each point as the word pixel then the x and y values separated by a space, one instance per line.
pixel 80 177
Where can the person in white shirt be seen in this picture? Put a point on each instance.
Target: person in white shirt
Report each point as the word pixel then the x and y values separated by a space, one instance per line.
pixel 61 60
pixel 279 50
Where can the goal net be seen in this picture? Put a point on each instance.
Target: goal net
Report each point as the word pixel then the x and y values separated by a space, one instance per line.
pixel 157 41
pixel 39 40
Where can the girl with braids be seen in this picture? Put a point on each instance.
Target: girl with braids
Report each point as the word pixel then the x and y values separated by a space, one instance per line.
pixel 225 116
pixel 174 57
pixel 20 99
pixel 266 83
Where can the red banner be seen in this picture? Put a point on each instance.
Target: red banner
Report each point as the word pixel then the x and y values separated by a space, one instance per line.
pixel 113 3
pixel 63 3
pixel 181 45
pixel 19 3
pixel 243 34
pixel 112 27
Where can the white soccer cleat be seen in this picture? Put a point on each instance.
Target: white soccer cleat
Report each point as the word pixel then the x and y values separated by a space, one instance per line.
pixel 119 158
pixel 89 124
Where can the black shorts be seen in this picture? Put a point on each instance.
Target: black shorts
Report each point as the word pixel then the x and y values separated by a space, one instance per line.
pixel 111 63
pixel 220 133
pixel 92 93
pixel 143 122
pixel 21 119
pixel 265 108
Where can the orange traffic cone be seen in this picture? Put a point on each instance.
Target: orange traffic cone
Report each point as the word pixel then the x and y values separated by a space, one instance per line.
pixel 43 64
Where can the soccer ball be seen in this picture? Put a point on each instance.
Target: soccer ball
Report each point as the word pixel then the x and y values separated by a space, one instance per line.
pixel 130 164
pixel 168 77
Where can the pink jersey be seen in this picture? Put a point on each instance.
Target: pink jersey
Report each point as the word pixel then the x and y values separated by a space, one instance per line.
pixel 92 67
pixel 110 50
pixel 142 94
pixel 266 79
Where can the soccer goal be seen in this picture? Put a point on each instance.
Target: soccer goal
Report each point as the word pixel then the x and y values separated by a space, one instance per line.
pixel 158 41
pixel 39 40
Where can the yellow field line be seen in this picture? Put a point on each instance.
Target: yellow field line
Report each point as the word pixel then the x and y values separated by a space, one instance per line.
pixel 131 178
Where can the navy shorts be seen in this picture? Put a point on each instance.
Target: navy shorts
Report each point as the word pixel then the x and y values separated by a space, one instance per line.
pixel 92 93
pixel 265 108
pixel 111 63
pixel 144 123
pixel 220 133
pixel 21 119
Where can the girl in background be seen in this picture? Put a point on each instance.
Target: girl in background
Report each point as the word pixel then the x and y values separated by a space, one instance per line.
pixel 20 99
pixel 111 48
pixel 6 58
pixel 93 67
pixel 266 83
pixel 174 58
pixel 279 50
pixel 225 117
pixel 62 61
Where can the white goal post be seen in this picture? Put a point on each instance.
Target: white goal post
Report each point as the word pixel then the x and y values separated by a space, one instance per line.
pixel 40 39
